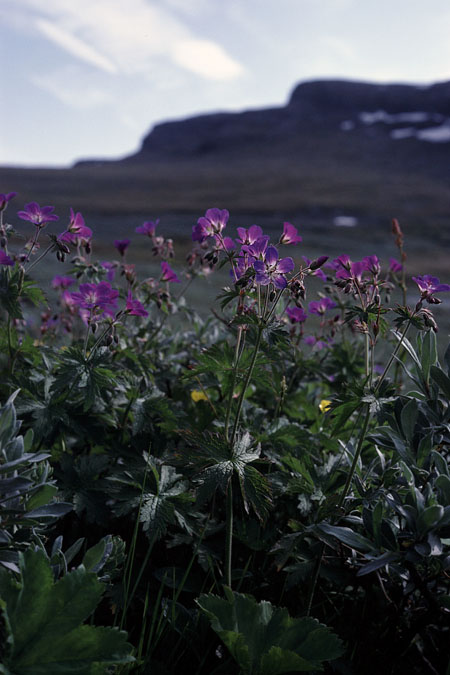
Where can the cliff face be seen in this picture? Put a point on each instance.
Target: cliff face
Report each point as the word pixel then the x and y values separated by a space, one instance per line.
pixel 328 109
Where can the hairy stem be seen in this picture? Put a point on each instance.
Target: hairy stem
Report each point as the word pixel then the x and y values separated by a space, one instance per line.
pixel 237 355
pixel 245 385
pixel 229 534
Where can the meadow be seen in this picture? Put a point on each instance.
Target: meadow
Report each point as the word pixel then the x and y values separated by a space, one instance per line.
pixel 246 476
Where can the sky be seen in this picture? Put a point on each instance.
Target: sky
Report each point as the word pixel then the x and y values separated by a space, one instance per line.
pixel 90 78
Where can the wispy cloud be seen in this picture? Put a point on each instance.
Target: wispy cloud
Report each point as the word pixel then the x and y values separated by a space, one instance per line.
pixel 75 87
pixel 74 45
pixel 130 37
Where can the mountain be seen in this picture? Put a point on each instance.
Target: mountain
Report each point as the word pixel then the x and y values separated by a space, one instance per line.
pixel 405 119
pixel 338 153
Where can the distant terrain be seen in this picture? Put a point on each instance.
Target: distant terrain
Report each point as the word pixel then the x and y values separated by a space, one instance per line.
pixel 339 160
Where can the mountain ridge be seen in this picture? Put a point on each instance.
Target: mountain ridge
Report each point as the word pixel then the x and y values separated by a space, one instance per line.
pixel 340 106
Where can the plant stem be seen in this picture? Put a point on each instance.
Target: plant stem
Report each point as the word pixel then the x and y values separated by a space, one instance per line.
pixel 93 350
pixel 237 355
pixel 35 262
pixel 355 458
pixel 229 534
pixel 393 355
pixel 367 355
pixel 33 243
pixel 246 383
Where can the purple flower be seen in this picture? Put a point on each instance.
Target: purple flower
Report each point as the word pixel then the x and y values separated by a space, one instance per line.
pixel 226 244
pixel 258 248
pixel 62 282
pixel 429 285
pixel 5 259
pixel 289 235
pixel 342 262
pixel 76 222
pixel 211 224
pixel 135 307
pixel 372 264
pixel 148 227
pixel 110 270
pixel 81 237
pixel 316 272
pixel 37 215
pixel 395 266
pixel 296 314
pixel 168 274
pixel 5 199
pixel 96 297
pixel 316 343
pixel 249 236
pixel 241 265
pixel 346 269
pixel 122 245
pixel 319 307
pixel 271 269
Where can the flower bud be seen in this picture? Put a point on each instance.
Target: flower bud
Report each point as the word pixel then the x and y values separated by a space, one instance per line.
pixel 318 262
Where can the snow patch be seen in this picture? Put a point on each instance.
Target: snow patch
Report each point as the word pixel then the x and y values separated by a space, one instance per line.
pixel 439 134
pixel 398 118
pixel 345 221
pixel 347 125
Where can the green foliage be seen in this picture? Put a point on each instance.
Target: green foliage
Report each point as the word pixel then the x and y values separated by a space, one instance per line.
pixel 265 640
pixel 215 464
pixel 44 622
pixel 27 492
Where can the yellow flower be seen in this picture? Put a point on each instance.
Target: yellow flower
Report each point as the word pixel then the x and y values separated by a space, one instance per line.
pixel 324 405
pixel 198 395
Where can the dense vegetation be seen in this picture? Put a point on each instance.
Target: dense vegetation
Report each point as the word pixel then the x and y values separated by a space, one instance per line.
pixel 264 491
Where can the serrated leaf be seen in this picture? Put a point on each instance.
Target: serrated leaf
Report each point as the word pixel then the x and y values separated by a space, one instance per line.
pixel 43 620
pixel 264 639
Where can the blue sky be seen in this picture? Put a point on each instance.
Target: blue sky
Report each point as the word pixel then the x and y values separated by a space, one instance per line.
pixel 89 78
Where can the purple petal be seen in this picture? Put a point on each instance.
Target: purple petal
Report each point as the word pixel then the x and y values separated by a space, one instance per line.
pixel 279 281
pixel 285 265
pixel 260 266
pixel 271 255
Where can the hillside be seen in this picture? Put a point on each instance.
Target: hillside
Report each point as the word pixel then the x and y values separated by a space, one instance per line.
pixel 364 151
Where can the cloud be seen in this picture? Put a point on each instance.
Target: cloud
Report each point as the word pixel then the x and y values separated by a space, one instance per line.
pixel 75 87
pixel 207 59
pixel 130 37
pixel 74 45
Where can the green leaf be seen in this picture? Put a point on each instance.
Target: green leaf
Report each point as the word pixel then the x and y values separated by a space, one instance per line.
pixel 409 418
pixel 264 639
pixel 54 510
pixel 429 518
pixel 43 620
pixel 443 485
pixel 376 563
pixel 441 379
pixel 96 556
pixel 342 413
pixel 43 496
pixel 345 535
pixel 428 353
